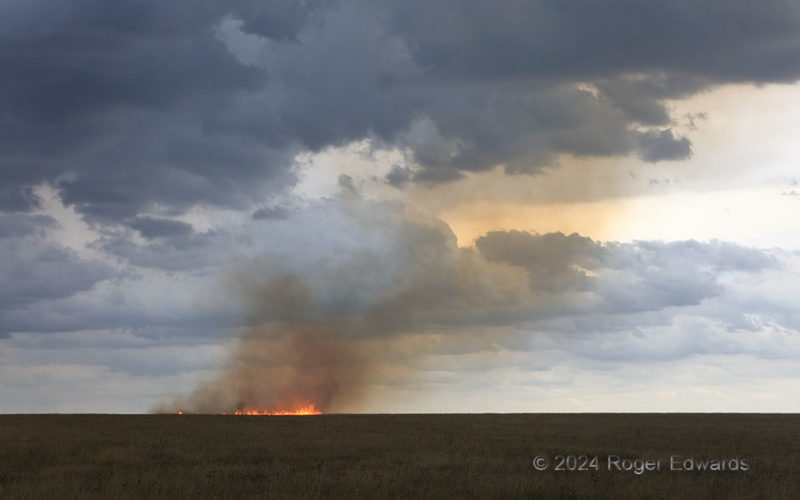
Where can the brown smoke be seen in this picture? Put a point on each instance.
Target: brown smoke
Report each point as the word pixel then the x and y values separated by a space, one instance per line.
pixel 315 336
pixel 284 368
pixel 287 359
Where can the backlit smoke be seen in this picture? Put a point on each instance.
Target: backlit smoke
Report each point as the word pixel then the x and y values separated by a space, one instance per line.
pixel 322 327
pixel 351 294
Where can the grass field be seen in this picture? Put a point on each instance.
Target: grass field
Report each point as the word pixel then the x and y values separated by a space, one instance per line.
pixel 390 456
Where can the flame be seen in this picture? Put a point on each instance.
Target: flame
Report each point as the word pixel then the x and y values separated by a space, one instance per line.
pixel 308 409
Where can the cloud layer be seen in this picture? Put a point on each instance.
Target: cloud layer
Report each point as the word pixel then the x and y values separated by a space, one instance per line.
pixel 383 290
pixel 323 327
pixel 146 105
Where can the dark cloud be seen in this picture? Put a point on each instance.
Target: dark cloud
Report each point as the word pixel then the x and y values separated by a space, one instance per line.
pixel 17 198
pixel 589 39
pixel 347 187
pixel 662 145
pixel 554 261
pixel 160 299
pixel 151 228
pixel 142 104
pixel 282 20
pixel 35 270
pixel 398 176
pixel 647 275
pixel 18 225
pixel 170 248
pixel 641 96
pixel 266 213
pixel 114 106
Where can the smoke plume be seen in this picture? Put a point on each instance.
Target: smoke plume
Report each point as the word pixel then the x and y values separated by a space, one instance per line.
pixel 351 295
pixel 323 325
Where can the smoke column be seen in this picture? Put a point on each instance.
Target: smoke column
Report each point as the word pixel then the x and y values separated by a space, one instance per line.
pixel 352 293
pixel 381 282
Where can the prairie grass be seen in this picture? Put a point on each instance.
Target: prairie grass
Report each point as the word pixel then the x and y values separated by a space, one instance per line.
pixel 389 456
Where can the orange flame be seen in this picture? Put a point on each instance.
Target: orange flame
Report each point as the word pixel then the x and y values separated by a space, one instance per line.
pixel 309 409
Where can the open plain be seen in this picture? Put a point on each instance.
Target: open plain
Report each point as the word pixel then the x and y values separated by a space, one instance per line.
pixel 396 456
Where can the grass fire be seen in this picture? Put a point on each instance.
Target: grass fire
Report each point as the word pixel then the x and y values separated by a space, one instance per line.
pixel 309 409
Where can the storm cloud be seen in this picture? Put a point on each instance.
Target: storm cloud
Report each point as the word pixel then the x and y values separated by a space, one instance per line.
pixel 142 104
pixel 36 269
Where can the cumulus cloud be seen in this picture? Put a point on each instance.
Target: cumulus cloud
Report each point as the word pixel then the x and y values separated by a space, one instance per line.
pixel 662 145
pixel 399 270
pixel 152 228
pixel 266 213
pixel 186 251
pixel 36 269
pixel 150 104
pixel 19 225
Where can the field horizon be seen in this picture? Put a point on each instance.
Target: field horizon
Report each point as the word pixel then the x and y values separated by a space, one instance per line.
pixel 488 455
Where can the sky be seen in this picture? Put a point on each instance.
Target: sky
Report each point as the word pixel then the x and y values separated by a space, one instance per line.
pixel 399 206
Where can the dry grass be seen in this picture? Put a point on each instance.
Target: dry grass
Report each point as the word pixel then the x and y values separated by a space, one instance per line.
pixel 387 456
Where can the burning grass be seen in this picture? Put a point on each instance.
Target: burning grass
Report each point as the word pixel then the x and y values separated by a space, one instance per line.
pixel 385 456
pixel 308 409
